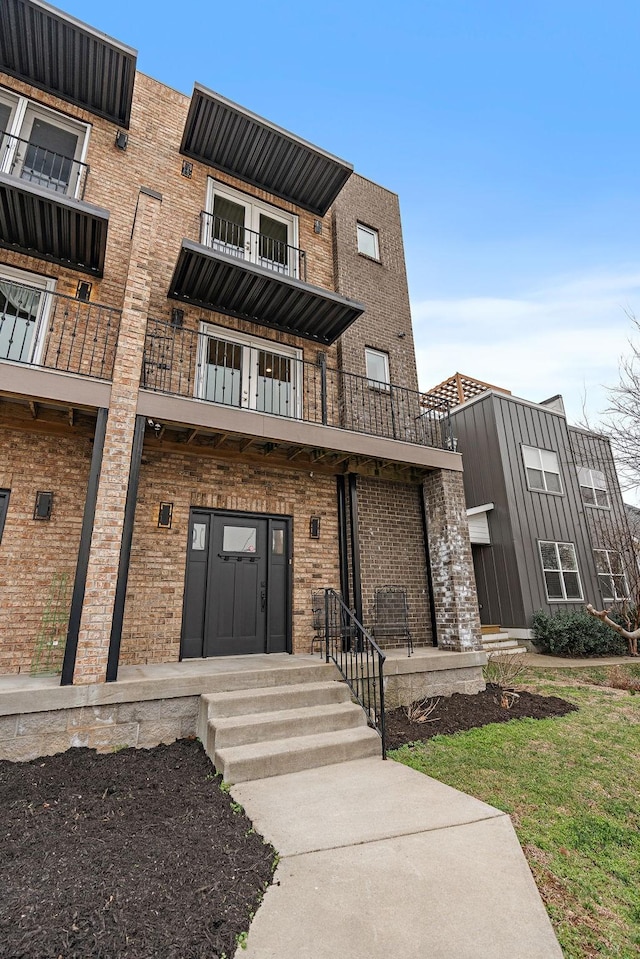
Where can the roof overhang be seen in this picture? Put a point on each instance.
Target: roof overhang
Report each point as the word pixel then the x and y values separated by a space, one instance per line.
pixel 224 135
pixel 216 281
pixel 68 58
pixel 51 226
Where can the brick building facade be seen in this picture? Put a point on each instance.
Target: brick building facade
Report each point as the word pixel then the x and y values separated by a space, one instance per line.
pixel 208 386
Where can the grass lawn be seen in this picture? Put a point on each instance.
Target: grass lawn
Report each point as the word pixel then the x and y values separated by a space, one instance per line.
pixel 572 788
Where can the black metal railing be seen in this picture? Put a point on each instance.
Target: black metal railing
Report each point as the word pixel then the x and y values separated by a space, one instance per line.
pixel 46 329
pixel 358 658
pixel 245 244
pixel 37 164
pixel 184 362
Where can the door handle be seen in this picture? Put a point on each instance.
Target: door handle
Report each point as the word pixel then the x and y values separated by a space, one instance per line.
pixel 263 600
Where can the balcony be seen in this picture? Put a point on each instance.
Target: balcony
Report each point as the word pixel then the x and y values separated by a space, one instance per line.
pixel 237 240
pixel 47 330
pixel 65 57
pixel 226 283
pixel 184 363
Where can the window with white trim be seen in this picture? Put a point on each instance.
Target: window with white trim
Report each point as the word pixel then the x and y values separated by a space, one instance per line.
pixel 542 469
pixel 250 373
pixel 368 243
pixel 593 487
pixel 377 364
pixel 42 146
pixel 560 569
pixel 24 313
pixel 611 575
pixel 250 229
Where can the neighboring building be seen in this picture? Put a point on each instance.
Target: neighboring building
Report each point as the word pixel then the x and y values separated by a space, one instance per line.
pixel 546 517
pixel 203 319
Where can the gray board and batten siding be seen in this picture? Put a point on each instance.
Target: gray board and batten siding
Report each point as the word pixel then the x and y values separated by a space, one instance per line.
pixel 491 431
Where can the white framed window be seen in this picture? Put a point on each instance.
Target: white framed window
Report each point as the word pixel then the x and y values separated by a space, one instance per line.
pixel 542 469
pixel 560 569
pixel 593 487
pixel 377 364
pixel 249 373
pixel 41 145
pixel 368 243
pixel 242 226
pixel 24 314
pixel 611 576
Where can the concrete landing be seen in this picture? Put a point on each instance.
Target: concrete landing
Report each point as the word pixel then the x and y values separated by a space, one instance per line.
pixel 378 860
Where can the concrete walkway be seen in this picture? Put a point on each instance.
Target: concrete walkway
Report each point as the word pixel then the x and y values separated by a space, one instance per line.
pixel 379 861
pixel 565 662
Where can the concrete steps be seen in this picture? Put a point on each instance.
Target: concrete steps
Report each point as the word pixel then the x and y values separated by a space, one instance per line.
pixel 256 733
pixel 497 641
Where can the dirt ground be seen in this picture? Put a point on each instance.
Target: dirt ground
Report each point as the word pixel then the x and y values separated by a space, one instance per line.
pixel 131 855
pixel 454 714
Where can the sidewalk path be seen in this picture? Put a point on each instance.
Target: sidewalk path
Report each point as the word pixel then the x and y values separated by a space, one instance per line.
pixel 378 861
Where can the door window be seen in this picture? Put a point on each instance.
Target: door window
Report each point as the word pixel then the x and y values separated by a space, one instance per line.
pixel 239 539
pixel 24 308
pixel 199 537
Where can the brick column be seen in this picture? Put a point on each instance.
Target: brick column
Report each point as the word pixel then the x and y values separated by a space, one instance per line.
pixel 454 585
pixel 102 571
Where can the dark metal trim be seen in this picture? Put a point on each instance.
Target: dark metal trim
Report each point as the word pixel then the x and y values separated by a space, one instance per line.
pixel 227 136
pixel 342 539
pixel 427 558
pixel 355 545
pixel 4 506
pixel 82 565
pixel 125 550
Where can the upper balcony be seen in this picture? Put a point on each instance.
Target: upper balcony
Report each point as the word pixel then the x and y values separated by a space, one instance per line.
pixel 41 330
pixel 65 57
pixel 224 135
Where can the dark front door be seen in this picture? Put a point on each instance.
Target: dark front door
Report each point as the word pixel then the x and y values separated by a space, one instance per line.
pixel 237 585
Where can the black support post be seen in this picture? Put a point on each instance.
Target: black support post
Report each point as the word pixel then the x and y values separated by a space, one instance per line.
pixel 80 581
pixel 342 540
pixel 125 550
pixel 355 545
pixel 427 557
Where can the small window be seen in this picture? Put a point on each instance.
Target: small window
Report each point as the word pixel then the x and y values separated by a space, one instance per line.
pixel 543 472
pixel 611 576
pixel 368 242
pixel 199 537
pixel 593 487
pixel 4 503
pixel 277 542
pixel 560 568
pixel 377 369
pixel 239 539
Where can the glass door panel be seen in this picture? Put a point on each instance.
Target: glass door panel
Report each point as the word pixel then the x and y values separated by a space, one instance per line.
pixel 19 313
pixel 48 157
pixel 228 232
pixel 273 250
pixel 274 392
pixel 223 372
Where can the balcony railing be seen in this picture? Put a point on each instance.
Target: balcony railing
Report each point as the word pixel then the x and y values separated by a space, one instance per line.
pixel 57 332
pixel 185 363
pixel 245 244
pixel 36 164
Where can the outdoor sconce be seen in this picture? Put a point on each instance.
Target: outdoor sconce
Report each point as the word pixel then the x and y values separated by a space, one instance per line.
pixel 317 226
pixel 314 527
pixel 165 515
pixel 83 291
pixel 187 169
pixel 44 505
pixel 122 139
pixel 177 317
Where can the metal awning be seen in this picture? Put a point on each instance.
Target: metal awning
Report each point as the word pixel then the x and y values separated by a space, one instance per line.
pixel 216 281
pixel 64 56
pixel 52 226
pixel 224 135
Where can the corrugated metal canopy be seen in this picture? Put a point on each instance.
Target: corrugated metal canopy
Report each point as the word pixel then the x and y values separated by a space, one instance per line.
pixel 52 226
pixel 64 56
pixel 230 138
pixel 219 282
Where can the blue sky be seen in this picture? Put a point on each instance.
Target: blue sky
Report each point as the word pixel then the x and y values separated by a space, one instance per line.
pixel 509 129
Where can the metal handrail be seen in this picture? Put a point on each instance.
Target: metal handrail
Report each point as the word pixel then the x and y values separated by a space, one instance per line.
pixel 358 658
pixel 36 164
pixel 55 331
pixel 239 241
pixel 189 363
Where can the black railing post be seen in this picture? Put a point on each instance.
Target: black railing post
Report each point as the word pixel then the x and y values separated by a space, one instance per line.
pixel 322 362
pixel 326 623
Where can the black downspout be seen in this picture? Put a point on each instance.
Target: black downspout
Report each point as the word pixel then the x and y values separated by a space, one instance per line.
pixel 125 550
pixel 355 545
pixel 82 566
pixel 342 539
pixel 427 557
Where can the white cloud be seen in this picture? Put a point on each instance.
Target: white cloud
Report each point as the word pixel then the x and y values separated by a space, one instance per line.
pixel 564 338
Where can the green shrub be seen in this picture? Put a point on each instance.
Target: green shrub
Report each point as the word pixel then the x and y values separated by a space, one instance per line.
pixel 575 634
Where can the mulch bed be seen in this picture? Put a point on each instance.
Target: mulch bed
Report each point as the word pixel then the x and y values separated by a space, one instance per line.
pixel 125 856
pixel 460 712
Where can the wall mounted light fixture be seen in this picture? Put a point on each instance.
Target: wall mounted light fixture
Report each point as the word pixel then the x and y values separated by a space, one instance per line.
pixel 314 527
pixel 165 515
pixel 83 291
pixel 44 505
pixel 122 140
